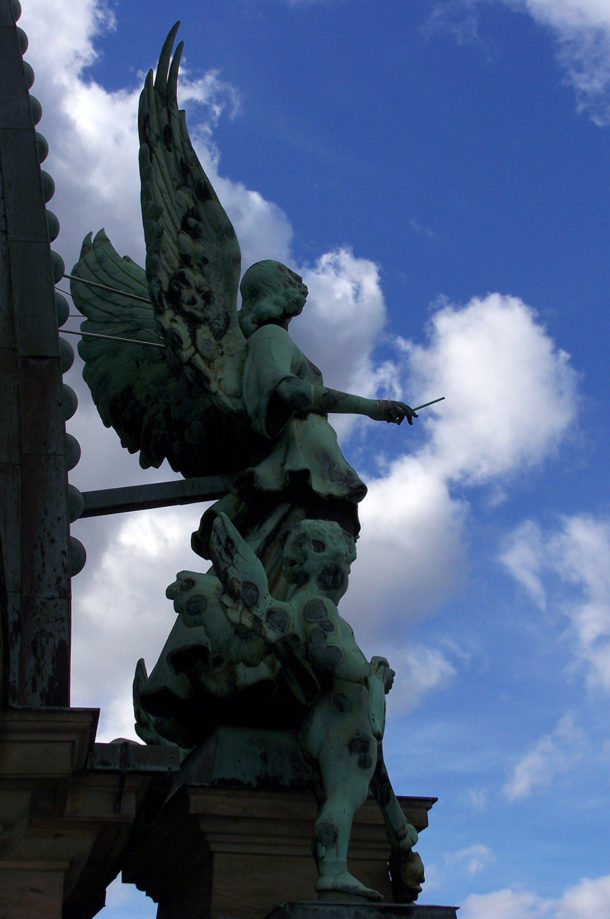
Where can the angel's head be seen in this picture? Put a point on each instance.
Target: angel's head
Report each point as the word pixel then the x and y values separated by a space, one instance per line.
pixel 271 293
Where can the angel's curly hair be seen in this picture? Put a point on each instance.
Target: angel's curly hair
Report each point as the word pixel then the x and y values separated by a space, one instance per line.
pixel 263 290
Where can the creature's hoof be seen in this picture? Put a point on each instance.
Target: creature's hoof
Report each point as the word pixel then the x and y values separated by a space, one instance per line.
pixel 346 884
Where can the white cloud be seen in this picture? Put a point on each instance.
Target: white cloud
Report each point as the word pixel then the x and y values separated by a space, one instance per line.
pixel 580 28
pixel 510 392
pixel 589 899
pixel 411 553
pixel 553 753
pixel 505 904
pixel 120 609
pixel 419 671
pixel 574 555
pixel 478 798
pixel 523 556
pixel 473 858
pixel 341 325
pixel 510 399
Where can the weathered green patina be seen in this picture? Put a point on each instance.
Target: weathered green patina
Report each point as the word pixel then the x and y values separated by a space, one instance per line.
pixel 258 640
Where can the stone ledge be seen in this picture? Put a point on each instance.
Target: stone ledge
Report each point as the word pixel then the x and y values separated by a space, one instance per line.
pixel 314 909
pixel 47 742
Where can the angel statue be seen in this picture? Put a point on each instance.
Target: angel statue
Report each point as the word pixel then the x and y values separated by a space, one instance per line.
pixel 228 392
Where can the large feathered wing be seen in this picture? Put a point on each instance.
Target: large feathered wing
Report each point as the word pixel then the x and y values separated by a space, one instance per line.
pixel 171 386
pixel 156 412
pixel 192 253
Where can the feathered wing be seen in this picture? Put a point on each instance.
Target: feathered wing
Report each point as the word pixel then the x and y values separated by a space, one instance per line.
pixel 154 411
pixel 181 401
pixel 192 253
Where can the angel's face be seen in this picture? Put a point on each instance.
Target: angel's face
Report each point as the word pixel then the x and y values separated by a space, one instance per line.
pixel 293 297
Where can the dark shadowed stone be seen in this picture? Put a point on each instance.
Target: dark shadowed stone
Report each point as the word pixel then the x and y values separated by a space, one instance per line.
pixel 315 610
pixel 277 619
pixel 318 909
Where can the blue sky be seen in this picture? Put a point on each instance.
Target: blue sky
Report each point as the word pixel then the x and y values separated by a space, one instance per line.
pixel 438 171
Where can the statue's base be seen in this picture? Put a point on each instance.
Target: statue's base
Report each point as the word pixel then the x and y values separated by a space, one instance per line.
pixel 232 840
pixel 316 909
pixel 237 852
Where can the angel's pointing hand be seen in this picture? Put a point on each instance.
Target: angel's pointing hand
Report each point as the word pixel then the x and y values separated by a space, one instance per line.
pixel 391 411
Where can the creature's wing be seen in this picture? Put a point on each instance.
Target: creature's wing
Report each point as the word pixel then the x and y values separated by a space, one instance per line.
pixel 134 387
pixel 240 571
pixel 193 257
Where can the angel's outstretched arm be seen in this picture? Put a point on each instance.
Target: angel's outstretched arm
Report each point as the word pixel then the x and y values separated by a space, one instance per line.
pixel 304 398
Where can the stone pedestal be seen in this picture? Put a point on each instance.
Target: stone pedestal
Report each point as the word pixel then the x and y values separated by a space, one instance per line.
pixel 64 816
pixel 238 852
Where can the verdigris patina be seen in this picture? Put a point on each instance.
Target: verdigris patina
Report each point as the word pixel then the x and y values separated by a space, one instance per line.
pixel 230 392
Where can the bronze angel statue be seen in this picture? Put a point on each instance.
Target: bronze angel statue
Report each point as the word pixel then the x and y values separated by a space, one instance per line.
pixel 229 392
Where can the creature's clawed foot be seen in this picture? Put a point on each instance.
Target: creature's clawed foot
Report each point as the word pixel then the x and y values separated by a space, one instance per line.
pixel 346 883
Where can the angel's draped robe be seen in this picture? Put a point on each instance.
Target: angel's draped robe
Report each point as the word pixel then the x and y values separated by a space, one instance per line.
pixel 305 447
pixel 303 473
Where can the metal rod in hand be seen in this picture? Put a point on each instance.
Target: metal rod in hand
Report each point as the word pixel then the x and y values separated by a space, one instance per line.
pixel 426 404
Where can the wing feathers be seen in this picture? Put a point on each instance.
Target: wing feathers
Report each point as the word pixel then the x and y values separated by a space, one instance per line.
pixel 193 258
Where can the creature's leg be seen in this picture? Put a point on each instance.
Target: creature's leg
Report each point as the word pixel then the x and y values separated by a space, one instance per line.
pixel 401 834
pixel 338 737
pixel 406 868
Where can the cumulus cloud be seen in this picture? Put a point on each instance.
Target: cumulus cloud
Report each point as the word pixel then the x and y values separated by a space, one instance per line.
pixel 412 553
pixel 511 392
pixel 510 399
pixel 345 305
pixel 588 899
pixel 575 555
pixel 555 752
pixel 121 612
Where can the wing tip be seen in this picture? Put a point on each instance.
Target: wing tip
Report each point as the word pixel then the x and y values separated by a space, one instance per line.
pixel 164 59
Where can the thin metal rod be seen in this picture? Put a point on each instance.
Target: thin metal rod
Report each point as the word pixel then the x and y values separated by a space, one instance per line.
pixel 114 290
pixel 417 407
pixel 131 341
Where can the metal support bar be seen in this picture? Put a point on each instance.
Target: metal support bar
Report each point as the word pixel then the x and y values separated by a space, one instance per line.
pixel 159 494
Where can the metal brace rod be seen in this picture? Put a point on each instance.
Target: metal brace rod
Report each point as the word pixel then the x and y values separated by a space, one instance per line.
pixel 158 494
